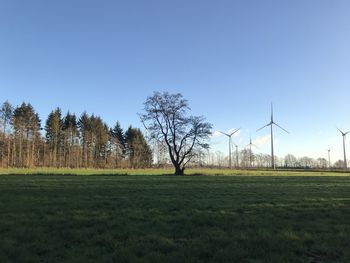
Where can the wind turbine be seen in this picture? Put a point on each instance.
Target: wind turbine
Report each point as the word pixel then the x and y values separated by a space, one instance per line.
pixel 344 136
pixel 329 158
pixel 271 123
pixel 229 143
pixel 236 154
pixel 250 150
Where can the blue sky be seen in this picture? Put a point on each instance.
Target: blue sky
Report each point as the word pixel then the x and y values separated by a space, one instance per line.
pixel 230 59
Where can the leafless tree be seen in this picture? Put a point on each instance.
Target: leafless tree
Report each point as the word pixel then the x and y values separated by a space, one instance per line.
pixel 166 118
pixel 290 161
pixel 5 117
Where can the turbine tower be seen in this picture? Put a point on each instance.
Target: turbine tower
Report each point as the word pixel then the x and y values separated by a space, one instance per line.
pixel 344 137
pixel 236 154
pixel 271 123
pixel 229 144
pixel 329 158
pixel 250 150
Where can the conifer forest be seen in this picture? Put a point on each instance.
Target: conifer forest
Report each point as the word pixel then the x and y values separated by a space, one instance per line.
pixel 67 140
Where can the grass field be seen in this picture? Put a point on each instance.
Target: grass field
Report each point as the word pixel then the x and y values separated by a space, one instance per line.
pixel 174 219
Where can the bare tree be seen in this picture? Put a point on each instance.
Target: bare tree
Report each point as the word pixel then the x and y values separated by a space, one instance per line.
pixel 306 162
pixel 339 164
pixel 166 118
pixel 290 161
pixel 5 117
pixel 322 163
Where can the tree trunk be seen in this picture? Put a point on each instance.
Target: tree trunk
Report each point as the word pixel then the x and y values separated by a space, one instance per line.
pixel 27 161
pixel 13 153
pixel 8 153
pixel 20 162
pixel 33 164
pixel 178 169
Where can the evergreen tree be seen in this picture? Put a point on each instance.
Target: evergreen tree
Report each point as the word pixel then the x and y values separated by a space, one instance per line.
pixel 54 136
pixel 99 140
pixel 139 152
pixel 88 142
pixel 26 125
pixel 84 125
pixel 71 136
pixel 118 143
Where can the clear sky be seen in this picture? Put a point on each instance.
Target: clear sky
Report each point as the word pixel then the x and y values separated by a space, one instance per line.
pixel 230 59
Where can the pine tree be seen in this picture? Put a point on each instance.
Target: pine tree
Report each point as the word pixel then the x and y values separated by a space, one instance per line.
pixel 26 125
pixel 84 125
pixel 54 136
pixel 99 141
pixel 71 135
pixel 139 152
pixel 118 143
pixel 88 142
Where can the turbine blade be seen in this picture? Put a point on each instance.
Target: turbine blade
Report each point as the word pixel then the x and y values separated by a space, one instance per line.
pixel 280 127
pixel 271 112
pixel 340 131
pixel 224 133
pixel 264 126
pixel 235 131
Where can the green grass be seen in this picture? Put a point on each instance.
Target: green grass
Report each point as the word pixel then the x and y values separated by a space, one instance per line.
pixel 174 219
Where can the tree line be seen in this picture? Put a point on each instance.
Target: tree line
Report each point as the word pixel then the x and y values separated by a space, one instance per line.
pixel 68 141
pixel 249 159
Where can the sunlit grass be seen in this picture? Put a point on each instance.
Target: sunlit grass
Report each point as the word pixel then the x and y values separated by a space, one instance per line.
pixel 169 171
